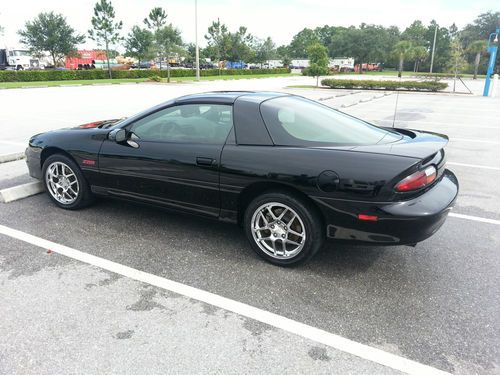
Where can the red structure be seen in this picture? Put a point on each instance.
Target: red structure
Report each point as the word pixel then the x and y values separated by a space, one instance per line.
pixel 368 67
pixel 84 57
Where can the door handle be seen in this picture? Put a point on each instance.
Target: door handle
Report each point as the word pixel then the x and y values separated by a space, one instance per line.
pixel 206 162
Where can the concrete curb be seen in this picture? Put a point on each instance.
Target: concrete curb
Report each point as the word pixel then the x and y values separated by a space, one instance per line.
pixel 12 157
pixel 20 191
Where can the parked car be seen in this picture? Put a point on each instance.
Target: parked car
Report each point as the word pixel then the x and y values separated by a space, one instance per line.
pixel 291 171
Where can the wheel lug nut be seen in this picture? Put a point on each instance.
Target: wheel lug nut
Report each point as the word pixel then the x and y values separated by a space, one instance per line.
pixel 275 234
pixel 272 226
pixel 283 236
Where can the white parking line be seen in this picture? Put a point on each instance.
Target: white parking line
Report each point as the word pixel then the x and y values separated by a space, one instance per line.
pixel 475 218
pixel 337 342
pixel 473 165
pixel 474 140
pixel 14 143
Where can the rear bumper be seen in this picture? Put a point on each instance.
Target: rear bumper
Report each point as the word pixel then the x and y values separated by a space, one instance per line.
pixel 399 223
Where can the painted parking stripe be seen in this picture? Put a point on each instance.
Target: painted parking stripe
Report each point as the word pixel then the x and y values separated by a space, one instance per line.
pixel 475 218
pixel 13 143
pixel 473 165
pixel 315 334
pixel 474 140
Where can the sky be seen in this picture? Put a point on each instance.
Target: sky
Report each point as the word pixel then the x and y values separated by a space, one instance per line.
pixel 279 19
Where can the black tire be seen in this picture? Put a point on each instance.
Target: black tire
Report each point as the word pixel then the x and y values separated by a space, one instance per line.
pixel 84 196
pixel 309 217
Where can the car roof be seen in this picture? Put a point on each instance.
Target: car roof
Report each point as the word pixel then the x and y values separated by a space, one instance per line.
pixel 226 97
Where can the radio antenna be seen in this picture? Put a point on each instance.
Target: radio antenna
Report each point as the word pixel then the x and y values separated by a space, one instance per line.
pixel 396 106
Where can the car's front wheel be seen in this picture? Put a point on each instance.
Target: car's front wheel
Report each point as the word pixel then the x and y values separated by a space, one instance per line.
pixel 283 229
pixel 65 182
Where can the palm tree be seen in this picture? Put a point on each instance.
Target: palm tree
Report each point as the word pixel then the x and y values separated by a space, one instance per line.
pixel 419 54
pixel 403 50
pixel 478 47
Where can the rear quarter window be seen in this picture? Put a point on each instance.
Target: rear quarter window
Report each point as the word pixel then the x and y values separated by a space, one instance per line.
pixel 295 121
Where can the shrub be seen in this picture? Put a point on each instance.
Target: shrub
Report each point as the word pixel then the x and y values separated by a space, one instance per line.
pixel 384 85
pixel 65 75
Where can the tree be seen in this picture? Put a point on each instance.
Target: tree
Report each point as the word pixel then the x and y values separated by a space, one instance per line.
pixel 50 32
pixel 480 28
pixel 284 54
pixel 318 61
pixel 225 45
pixel 264 50
pixel 403 50
pixel 478 48
pixel 156 19
pixel 301 42
pixel 104 28
pixel 415 33
pixel 443 46
pixel 169 42
pixel 139 44
pixel 218 41
pixel 419 54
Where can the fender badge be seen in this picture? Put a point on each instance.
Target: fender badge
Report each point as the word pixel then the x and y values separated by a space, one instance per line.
pixel 88 162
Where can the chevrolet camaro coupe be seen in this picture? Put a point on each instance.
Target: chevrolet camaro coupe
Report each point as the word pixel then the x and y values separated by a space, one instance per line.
pixel 292 172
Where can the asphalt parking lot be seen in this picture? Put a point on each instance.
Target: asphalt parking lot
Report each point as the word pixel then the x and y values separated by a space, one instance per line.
pixel 436 304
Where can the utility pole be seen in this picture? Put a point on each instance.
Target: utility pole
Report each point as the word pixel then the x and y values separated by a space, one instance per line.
pixel 433 47
pixel 196 40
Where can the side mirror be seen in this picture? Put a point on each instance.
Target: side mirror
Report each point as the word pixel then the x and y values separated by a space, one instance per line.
pixel 118 135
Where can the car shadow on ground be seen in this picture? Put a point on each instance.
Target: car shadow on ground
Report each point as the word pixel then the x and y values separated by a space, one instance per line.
pixel 221 240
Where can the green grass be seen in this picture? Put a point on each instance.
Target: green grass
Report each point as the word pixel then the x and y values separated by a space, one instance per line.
pixel 13 85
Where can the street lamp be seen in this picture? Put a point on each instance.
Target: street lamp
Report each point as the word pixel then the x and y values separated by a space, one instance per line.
pixel 492 49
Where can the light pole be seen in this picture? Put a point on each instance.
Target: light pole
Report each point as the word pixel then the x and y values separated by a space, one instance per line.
pixel 196 40
pixel 433 48
pixel 492 49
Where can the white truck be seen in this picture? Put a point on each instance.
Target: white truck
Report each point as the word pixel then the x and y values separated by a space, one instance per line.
pixel 20 59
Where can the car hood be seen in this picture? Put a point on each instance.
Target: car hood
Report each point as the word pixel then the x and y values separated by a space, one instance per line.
pixel 413 143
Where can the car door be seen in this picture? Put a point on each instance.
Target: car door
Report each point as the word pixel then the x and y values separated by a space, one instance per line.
pixel 171 157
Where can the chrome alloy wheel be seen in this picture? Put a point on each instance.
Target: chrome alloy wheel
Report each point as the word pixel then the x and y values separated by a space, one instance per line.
pixel 278 230
pixel 62 182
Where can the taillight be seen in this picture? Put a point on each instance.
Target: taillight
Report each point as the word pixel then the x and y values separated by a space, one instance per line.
pixel 417 180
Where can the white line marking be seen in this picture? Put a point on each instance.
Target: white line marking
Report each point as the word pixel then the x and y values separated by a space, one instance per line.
pixel 473 165
pixel 474 140
pixel 14 143
pixel 411 123
pixel 315 334
pixel 475 218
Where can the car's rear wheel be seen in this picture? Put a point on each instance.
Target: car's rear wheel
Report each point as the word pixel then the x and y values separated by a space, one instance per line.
pixel 65 182
pixel 283 229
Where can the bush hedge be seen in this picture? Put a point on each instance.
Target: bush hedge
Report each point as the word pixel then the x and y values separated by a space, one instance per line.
pixel 384 85
pixel 67 75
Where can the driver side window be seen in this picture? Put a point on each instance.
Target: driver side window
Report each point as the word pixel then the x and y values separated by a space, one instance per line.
pixel 187 123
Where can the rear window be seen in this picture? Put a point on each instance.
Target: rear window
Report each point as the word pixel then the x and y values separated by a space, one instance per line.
pixel 295 121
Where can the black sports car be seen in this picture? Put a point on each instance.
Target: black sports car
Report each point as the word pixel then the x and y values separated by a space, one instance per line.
pixel 291 171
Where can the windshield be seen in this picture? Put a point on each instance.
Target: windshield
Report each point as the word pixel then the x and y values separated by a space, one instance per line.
pixel 296 121
pixel 21 53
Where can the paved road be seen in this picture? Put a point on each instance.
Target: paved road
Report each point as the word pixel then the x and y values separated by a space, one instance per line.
pixel 436 304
